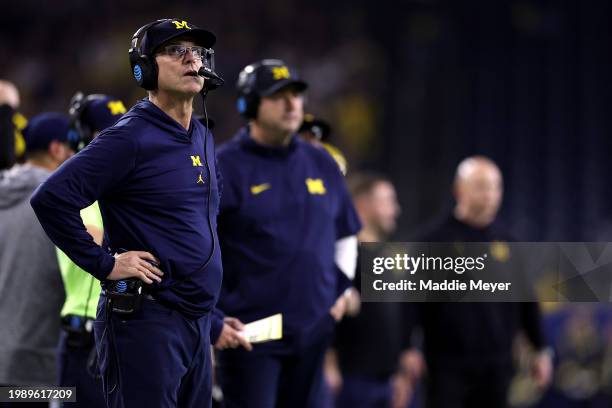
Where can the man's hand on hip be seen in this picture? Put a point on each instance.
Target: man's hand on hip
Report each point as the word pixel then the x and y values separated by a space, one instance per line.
pixel 136 264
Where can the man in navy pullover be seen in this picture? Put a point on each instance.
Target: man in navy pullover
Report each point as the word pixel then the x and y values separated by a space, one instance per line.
pixel 284 212
pixel 155 178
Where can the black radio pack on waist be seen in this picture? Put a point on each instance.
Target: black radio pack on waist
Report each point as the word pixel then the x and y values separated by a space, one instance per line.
pixel 79 330
pixel 125 294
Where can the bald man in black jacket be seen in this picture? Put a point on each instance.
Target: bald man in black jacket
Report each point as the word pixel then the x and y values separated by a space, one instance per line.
pixel 468 346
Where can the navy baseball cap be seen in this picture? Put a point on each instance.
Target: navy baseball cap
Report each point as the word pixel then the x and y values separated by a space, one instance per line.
pixel 268 76
pixel 44 128
pixel 102 112
pixel 168 29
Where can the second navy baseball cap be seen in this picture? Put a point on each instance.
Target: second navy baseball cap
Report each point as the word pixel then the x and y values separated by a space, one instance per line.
pixel 103 112
pixel 268 76
pixel 44 128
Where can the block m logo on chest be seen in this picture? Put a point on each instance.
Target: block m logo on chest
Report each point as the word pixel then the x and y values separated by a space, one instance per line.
pixel 315 186
pixel 196 161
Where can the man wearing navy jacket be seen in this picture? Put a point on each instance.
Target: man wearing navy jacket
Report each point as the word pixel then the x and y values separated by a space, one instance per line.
pixel 155 178
pixel 287 229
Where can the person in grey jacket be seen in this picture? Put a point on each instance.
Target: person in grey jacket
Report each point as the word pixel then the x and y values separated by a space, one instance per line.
pixel 31 289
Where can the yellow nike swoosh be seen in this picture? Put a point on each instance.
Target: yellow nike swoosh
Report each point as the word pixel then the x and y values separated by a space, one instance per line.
pixel 260 188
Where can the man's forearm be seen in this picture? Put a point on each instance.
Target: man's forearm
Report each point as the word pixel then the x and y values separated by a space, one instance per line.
pixel 62 222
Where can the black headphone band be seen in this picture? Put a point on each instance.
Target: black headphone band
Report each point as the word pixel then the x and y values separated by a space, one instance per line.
pixel 76 103
pixel 251 79
pixel 78 106
pixel 251 97
pixel 144 67
pixel 139 34
pixel 80 102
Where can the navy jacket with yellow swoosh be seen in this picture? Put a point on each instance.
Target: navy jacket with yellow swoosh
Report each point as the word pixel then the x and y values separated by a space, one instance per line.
pixel 158 189
pixel 281 213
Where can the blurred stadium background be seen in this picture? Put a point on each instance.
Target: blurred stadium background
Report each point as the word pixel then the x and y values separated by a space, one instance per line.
pixel 410 88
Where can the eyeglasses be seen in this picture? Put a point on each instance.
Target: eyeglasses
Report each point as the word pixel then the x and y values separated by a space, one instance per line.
pixel 178 51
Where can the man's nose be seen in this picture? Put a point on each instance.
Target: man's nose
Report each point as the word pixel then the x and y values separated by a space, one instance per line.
pixel 291 102
pixel 189 57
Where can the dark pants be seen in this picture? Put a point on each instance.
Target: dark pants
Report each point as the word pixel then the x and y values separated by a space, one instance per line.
pixel 154 358
pixel 361 391
pixel 259 380
pixel 468 386
pixel 73 371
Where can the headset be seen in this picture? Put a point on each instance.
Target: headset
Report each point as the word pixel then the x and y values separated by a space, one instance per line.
pixel 144 67
pixel 145 70
pixel 80 133
pixel 249 98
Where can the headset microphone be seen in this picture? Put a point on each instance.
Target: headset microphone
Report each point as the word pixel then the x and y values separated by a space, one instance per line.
pixel 213 81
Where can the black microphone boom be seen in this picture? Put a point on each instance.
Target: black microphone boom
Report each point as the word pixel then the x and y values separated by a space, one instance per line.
pixel 212 80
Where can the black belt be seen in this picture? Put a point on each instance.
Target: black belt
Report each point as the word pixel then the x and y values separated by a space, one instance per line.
pixel 145 296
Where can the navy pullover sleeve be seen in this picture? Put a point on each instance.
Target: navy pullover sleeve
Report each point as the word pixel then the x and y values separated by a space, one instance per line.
pixel 216 325
pixel 79 182
pixel 347 220
pixel 343 282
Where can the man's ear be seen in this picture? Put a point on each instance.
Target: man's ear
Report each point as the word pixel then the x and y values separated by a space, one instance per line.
pixel 57 150
pixel 456 190
pixel 54 149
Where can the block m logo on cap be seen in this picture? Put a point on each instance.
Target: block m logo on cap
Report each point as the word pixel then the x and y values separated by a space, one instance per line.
pixel 280 72
pixel 181 24
pixel 116 107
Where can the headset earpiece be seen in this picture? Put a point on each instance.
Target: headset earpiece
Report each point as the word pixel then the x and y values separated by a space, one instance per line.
pixel 144 67
pixel 80 133
pixel 76 134
pixel 247 105
pixel 241 105
pixel 248 101
pixel 252 105
pixel 144 70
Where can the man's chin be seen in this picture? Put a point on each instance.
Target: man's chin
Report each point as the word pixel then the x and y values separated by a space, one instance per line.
pixel 189 91
pixel 387 230
pixel 194 89
pixel 291 127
